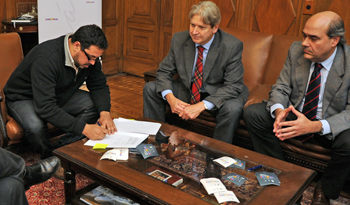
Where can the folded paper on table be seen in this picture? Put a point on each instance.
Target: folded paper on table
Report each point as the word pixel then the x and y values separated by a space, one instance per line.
pixel 134 126
pixel 213 185
pixel 116 154
pixel 226 196
pixel 120 140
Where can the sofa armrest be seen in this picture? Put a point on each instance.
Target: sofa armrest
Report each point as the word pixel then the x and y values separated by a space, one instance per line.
pixel 258 94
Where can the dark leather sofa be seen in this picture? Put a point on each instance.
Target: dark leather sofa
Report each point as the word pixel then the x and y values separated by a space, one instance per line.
pixel 263 58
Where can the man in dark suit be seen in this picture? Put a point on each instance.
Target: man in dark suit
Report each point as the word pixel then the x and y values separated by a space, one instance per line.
pixel 310 102
pixel 208 62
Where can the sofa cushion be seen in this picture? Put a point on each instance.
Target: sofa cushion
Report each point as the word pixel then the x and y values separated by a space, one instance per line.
pixel 258 94
pixel 256 47
pixel 277 56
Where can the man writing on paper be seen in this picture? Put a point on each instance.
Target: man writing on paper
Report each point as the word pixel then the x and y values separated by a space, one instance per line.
pixel 44 88
pixel 310 102
pixel 208 62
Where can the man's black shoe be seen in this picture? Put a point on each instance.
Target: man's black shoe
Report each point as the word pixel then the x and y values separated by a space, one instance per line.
pixel 320 197
pixel 40 171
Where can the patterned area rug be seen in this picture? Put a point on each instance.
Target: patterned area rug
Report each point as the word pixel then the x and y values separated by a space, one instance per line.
pixel 51 191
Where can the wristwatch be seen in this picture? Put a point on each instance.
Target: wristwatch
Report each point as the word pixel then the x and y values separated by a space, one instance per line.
pixel 205 106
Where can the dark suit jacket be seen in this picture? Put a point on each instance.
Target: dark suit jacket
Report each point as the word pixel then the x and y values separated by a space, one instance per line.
pixel 290 86
pixel 222 72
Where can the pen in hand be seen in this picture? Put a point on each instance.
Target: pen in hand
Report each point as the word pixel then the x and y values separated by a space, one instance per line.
pixel 253 168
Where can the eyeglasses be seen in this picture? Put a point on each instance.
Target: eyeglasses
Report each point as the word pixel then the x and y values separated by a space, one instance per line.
pixel 98 59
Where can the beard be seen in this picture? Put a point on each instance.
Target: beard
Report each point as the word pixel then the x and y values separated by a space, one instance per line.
pixel 81 66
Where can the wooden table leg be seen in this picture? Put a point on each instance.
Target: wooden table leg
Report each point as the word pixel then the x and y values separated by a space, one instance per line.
pixel 69 183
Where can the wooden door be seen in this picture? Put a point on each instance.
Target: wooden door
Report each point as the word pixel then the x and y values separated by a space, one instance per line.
pixel 141 33
pixel 147 34
pixel 112 25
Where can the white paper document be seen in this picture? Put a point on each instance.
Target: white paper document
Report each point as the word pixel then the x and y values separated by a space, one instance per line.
pixel 120 140
pixel 116 154
pixel 213 185
pixel 225 161
pixel 134 126
pixel 226 196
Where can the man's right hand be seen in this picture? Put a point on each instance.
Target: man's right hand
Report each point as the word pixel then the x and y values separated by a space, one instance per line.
pixel 94 132
pixel 176 105
pixel 281 116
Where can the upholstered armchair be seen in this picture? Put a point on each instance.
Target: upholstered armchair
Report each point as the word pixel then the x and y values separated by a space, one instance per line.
pixel 11 55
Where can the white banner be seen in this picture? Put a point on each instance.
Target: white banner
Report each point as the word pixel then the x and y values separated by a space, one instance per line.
pixel 59 17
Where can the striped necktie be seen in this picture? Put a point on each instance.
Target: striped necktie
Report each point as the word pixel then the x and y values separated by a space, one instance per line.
pixel 198 76
pixel 312 96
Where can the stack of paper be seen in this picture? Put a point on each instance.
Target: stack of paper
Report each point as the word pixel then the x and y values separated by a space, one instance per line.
pixel 216 187
pixel 130 134
pixel 134 126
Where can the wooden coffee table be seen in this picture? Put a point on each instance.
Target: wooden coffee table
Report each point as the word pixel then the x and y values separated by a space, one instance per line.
pixel 127 177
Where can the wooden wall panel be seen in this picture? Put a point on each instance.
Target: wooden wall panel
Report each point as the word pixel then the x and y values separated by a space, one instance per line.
pixel 141 41
pixel 142 11
pixel 244 14
pixel 284 17
pixel 275 16
pixel 180 18
pixel 227 10
pixel 2 14
pixel 148 31
pixel 339 6
pixel 166 27
pixel 112 25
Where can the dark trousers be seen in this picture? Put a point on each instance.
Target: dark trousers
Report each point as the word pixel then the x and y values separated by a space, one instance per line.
pixel 11 179
pixel 80 105
pixel 227 117
pixel 260 125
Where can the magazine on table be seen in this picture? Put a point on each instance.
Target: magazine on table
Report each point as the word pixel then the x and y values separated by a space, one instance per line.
pixel 104 196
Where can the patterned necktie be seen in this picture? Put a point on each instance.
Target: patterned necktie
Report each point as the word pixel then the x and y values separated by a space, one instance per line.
pixel 198 75
pixel 312 96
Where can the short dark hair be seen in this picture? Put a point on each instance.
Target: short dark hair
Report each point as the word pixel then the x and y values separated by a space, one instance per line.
pixel 336 28
pixel 90 35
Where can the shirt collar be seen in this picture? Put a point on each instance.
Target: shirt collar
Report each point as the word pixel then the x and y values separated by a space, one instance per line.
pixel 327 64
pixel 68 56
pixel 207 45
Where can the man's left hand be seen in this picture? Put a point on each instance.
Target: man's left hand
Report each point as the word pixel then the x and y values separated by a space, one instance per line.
pixel 106 121
pixel 192 111
pixel 301 126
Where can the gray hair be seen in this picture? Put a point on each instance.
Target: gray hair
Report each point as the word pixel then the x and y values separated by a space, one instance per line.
pixel 209 12
pixel 336 28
